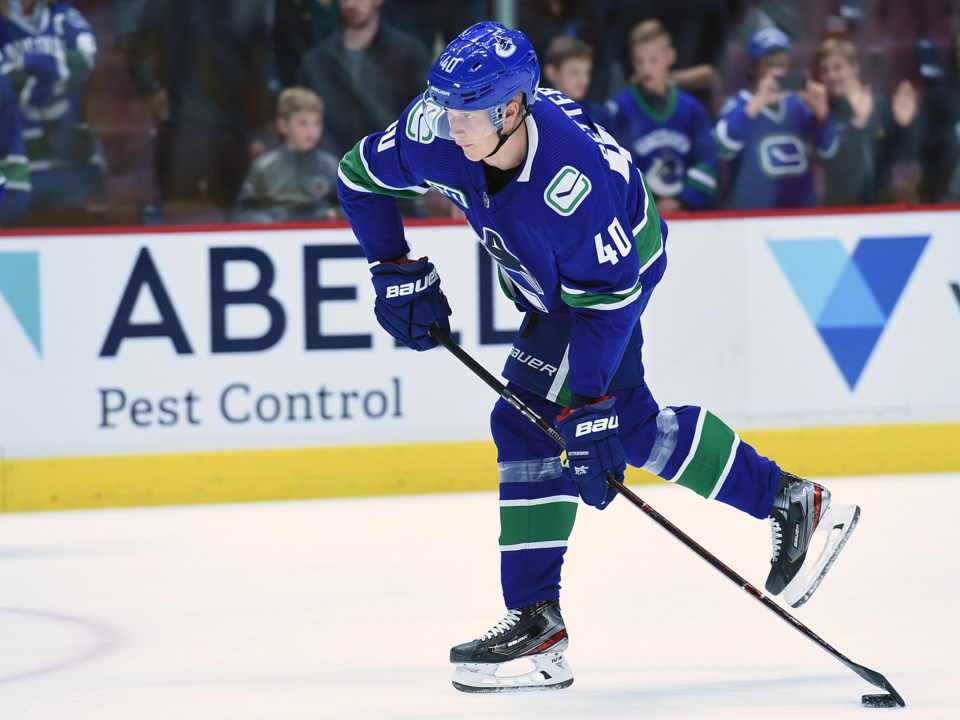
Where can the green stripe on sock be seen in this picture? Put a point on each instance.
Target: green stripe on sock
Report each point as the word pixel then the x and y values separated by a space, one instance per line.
pixel 710 457
pixel 550 522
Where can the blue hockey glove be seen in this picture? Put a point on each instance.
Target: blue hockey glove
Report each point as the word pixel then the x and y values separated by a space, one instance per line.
pixel 409 301
pixel 593 450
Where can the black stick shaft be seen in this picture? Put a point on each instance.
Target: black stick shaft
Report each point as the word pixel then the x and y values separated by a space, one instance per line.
pixel 871 676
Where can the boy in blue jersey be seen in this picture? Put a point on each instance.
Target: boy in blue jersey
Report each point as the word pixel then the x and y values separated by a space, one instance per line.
pixel 579 246
pixel 667 130
pixel 48 51
pixel 14 172
pixel 768 135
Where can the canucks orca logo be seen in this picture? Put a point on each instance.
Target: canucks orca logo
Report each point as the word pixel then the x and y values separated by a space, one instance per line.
pixel 849 298
pixel 665 175
pixel 494 244
pixel 20 287
pixel 505 47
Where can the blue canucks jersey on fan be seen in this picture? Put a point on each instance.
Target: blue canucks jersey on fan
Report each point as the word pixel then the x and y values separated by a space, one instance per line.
pixel 770 155
pixel 14 173
pixel 49 55
pixel 673 147
pixel 574 232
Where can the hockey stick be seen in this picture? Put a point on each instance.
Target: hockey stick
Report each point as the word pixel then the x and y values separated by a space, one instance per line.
pixel 871 676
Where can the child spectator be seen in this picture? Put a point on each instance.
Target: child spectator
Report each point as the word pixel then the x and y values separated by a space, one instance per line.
pixel 47 49
pixel 14 172
pixel 667 130
pixel 766 132
pixel 568 67
pixel 297 181
pixel 874 133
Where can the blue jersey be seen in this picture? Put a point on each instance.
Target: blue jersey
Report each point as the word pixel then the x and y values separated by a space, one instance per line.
pixel 574 232
pixel 673 147
pixel 14 172
pixel 770 155
pixel 49 56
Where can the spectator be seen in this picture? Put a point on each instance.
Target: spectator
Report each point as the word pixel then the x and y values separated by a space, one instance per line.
pixel 698 29
pixel 47 50
pixel 203 69
pixel 14 171
pixel 370 68
pixel 765 133
pixel 873 132
pixel 667 130
pixel 298 25
pixel 568 67
pixel 297 181
pixel 940 145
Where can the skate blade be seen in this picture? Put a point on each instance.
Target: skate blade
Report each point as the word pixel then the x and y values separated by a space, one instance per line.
pixel 834 530
pixel 546 671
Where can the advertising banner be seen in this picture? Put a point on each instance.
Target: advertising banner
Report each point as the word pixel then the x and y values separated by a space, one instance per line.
pixel 219 340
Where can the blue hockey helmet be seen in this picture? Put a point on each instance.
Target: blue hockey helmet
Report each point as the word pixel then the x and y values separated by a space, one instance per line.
pixel 484 68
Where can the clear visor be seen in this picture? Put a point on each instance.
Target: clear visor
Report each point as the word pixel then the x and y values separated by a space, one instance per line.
pixel 453 124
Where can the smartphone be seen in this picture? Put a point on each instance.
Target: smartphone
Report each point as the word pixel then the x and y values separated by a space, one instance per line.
pixel 928 60
pixel 792 81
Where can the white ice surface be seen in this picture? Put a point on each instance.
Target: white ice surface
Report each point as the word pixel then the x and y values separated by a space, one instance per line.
pixel 347 609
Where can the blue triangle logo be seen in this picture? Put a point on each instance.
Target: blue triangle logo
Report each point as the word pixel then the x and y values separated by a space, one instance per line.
pixel 849 298
pixel 20 287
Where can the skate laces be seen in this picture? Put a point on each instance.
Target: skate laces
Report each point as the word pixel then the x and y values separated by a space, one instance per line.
pixel 776 536
pixel 512 618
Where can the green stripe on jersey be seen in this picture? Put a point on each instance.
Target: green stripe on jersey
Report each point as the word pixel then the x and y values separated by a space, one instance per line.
pixel 355 172
pixel 15 172
pixel 599 301
pixel 545 522
pixel 708 460
pixel 647 236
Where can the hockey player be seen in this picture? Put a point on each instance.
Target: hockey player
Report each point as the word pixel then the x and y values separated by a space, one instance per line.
pixel 766 133
pixel 579 247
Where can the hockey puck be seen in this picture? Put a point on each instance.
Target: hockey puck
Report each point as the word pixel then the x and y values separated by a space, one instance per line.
pixel 881 700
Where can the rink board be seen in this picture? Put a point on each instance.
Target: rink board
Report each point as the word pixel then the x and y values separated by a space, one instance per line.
pixel 208 365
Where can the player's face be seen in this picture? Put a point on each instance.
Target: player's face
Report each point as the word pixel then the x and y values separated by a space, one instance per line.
pixel 652 61
pixel 837 73
pixel 473 131
pixel 572 78
pixel 302 130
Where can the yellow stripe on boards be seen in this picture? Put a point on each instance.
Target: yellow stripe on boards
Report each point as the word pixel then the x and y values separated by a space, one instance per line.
pixel 209 477
pixel 213 477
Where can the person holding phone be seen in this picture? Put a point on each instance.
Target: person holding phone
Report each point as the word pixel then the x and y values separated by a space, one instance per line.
pixel 768 133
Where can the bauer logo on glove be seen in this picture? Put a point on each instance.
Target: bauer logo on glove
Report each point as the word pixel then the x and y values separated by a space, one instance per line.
pixel 412 288
pixel 598 425
pixel 593 449
pixel 409 300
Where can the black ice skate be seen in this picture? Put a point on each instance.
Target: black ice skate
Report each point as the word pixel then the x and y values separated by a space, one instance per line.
pixel 534 636
pixel 802 512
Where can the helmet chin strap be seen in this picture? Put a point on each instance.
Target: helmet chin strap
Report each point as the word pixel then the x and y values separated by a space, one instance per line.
pixel 501 138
